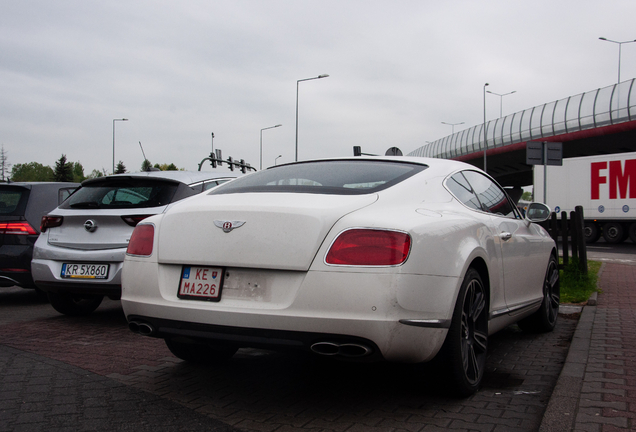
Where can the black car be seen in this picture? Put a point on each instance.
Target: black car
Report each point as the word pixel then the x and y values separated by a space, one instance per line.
pixel 22 206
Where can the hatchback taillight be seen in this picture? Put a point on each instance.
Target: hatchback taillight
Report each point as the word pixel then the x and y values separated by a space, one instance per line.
pixel 50 222
pixel 141 240
pixel 134 220
pixel 19 228
pixel 369 247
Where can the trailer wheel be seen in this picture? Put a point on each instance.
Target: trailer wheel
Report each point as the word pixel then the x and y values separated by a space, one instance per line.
pixel 592 233
pixel 632 232
pixel 613 232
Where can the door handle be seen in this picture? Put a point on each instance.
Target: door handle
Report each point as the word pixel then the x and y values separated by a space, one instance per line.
pixel 505 236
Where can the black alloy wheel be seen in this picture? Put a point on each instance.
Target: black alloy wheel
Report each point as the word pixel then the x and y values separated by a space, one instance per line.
pixel 466 344
pixel 545 319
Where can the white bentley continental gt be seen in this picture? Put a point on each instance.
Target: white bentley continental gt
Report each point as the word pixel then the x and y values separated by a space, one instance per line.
pixel 365 258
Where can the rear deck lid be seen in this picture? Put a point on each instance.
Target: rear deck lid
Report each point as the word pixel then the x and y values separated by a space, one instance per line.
pixel 276 218
pixel 255 230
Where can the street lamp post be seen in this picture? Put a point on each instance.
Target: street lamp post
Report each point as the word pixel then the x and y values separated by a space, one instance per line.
pixel 276 160
pixel 501 100
pixel 271 127
pixel 619 53
pixel 485 127
pixel 452 125
pixel 114 120
pixel 298 82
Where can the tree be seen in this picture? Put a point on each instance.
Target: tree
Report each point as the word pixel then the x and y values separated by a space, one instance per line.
pixel 97 173
pixel 121 168
pixel 31 171
pixel 4 165
pixel 167 167
pixel 527 196
pixel 78 172
pixel 146 165
pixel 63 170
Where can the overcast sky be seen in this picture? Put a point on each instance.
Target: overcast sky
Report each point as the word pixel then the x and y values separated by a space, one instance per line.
pixel 182 70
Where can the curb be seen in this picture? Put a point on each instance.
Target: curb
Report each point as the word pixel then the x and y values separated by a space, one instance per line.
pixel 560 413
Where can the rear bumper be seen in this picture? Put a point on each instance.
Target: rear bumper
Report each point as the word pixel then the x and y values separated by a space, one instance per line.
pixel 401 317
pixel 15 263
pixel 46 268
pixel 259 338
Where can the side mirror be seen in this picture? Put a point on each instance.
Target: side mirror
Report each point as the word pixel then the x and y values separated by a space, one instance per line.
pixel 538 212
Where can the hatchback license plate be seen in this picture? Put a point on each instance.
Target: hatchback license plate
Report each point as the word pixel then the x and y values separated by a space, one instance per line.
pixel 85 271
pixel 201 283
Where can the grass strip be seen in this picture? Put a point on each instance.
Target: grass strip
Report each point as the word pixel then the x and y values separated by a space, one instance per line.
pixel 576 287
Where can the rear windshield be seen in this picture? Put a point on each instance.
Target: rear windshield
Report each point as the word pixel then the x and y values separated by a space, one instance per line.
pixel 344 177
pixel 125 193
pixel 13 201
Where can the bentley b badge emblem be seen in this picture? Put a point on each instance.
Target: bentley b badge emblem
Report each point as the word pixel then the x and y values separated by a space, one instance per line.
pixel 228 226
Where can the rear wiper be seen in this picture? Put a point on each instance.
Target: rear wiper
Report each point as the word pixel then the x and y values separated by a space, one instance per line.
pixel 85 204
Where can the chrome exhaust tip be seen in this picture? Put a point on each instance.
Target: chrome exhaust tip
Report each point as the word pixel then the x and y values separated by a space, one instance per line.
pixel 133 326
pixel 146 329
pixel 141 328
pixel 341 349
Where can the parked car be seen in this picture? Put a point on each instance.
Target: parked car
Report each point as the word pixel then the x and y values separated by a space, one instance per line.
pixel 390 258
pixel 22 205
pixel 78 258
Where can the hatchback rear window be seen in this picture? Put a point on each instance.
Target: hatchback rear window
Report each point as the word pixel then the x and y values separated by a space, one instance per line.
pixel 129 193
pixel 341 177
pixel 13 201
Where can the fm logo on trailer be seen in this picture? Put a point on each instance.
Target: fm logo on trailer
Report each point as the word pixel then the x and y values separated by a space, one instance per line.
pixel 621 179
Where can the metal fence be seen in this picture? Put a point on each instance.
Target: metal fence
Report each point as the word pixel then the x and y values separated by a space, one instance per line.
pixel 597 108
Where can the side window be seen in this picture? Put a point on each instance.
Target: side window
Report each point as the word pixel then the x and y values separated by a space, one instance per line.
pixel 462 191
pixel 491 196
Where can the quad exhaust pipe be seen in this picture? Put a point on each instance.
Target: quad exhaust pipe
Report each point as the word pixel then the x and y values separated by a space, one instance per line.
pixel 341 349
pixel 141 328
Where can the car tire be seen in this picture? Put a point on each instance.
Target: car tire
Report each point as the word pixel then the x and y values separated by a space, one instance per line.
pixel 466 345
pixel 69 304
pixel 200 353
pixel 613 232
pixel 591 232
pixel 544 320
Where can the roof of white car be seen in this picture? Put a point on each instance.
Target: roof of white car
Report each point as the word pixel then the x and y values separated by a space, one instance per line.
pixel 446 165
pixel 187 177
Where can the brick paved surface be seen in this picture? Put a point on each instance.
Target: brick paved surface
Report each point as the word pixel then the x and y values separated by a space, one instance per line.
pixel 115 379
pixel 597 388
pixel 608 396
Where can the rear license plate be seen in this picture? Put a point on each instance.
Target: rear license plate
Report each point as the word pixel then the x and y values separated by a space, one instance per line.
pixel 201 283
pixel 85 271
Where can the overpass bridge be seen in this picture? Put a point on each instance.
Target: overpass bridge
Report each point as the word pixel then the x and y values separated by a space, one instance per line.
pixel 601 121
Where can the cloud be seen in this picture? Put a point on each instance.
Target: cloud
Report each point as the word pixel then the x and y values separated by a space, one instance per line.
pixel 180 71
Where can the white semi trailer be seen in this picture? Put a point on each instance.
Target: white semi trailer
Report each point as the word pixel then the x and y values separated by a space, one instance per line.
pixel 605 186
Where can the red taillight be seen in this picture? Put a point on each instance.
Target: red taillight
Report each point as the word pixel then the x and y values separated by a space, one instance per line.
pixel 19 228
pixel 369 247
pixel 134 220
pixel 141 240
pixel 50 222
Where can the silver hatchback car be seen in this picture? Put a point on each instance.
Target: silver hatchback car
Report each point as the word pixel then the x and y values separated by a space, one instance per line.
pixel 77 259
